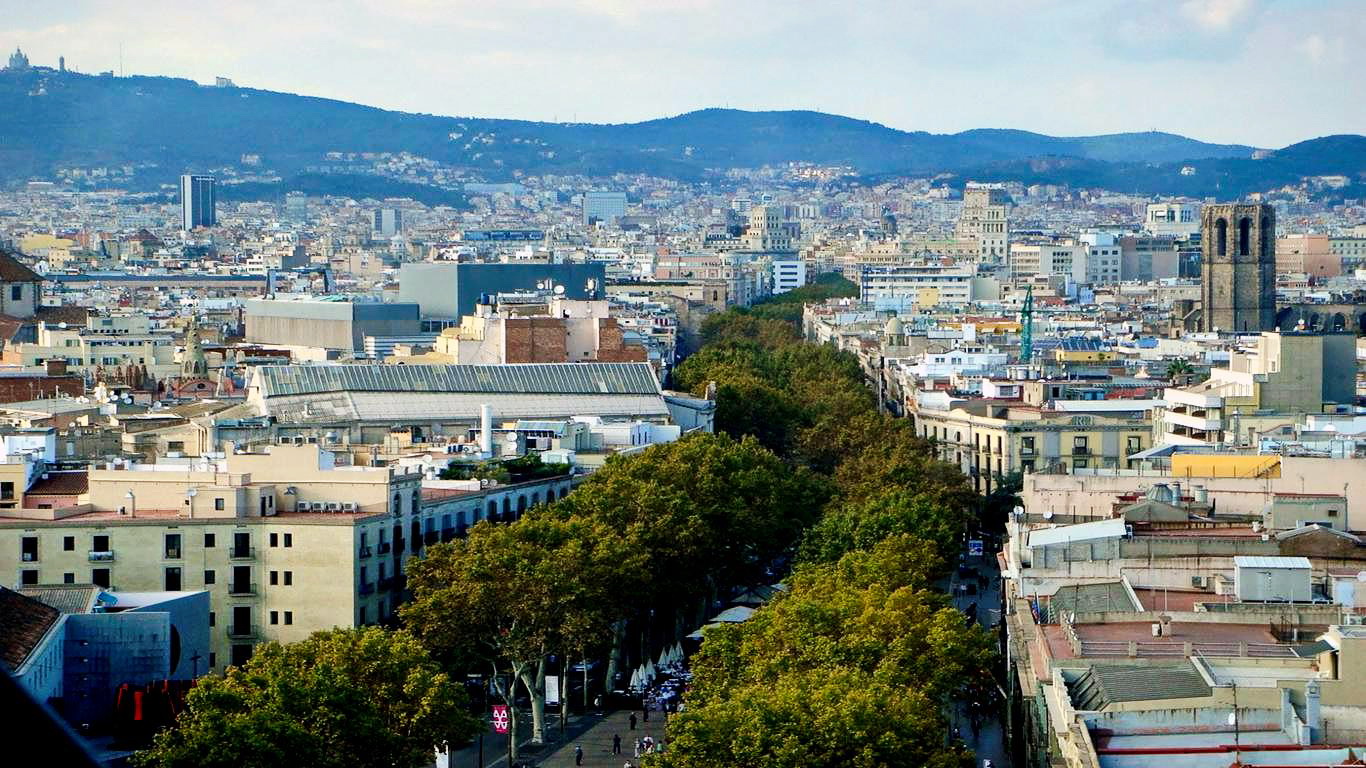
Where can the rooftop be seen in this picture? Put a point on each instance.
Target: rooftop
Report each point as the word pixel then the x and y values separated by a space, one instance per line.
pixel 528 378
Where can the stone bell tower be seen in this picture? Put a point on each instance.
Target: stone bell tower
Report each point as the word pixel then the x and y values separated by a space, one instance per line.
pixel 1238 270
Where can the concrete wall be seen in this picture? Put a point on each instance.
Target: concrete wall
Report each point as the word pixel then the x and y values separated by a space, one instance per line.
pixel 451 290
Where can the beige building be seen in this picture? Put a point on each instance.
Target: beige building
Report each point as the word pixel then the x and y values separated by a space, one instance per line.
pixel 1312 255
pixel 1286 375
pixel 986 219
pixel 990 439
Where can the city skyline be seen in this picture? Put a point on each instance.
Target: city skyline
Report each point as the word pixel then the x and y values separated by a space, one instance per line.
pixel 1074 69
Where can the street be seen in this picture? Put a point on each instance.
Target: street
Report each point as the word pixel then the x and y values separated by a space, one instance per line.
pixel 989 740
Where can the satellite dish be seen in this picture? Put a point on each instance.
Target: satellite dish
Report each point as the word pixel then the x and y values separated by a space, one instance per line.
pixel 510 437
pixel 1018 510
pixel 559 290
pixel 1048 514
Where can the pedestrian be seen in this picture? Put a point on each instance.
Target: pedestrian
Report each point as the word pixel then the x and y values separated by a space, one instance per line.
pixel 632 721
pixel 637 752
pixel 616 743
pixel 645 711
pixel 578 754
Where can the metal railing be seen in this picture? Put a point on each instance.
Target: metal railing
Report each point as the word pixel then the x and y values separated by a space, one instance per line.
pixel 242 632
pixel 242 553
pixel 242 588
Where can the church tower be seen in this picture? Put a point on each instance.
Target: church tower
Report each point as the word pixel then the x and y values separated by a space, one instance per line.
pixel 1238 270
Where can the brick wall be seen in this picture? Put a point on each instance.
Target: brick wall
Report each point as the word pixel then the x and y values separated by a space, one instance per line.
pixel 534 340
pixel 612 346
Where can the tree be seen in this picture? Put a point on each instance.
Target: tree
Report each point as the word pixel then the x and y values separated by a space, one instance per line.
pixel 1179 371
pixel 509 596
pixel 346 697
pixel 852 666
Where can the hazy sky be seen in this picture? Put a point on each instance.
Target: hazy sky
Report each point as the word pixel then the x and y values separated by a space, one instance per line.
pixel 1264 72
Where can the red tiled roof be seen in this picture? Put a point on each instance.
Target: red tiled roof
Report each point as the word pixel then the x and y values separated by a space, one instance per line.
pixel 23 622
pixel 14 271
pixel 71 315
pixel 60 484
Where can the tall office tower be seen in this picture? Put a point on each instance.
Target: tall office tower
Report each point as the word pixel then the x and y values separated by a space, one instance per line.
pixel 1238 277
pixel 986 217
pixel 198 201
pixel 603 207
pixel 388 222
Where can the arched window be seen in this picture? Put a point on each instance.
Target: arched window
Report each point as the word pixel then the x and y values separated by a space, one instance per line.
pixel 1221 237
pixel 1244 236
pixel 493 510
pixel 1268 236
pixel 521 505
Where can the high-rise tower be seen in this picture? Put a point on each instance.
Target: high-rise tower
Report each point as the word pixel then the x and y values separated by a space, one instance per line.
pixel 198 202
pixel 1238 274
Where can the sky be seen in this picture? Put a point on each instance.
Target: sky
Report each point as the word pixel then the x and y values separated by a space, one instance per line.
pixel 1260 72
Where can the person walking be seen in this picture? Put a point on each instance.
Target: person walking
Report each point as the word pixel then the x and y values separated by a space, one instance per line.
pixel 616 743
pixel 636 754
pixel 632 721
pixel 578 754
pixel 645 711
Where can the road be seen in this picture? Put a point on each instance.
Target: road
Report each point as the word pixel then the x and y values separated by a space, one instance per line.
pixel 989 741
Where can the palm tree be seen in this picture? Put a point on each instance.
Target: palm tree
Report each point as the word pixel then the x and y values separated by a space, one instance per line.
pixel 1179 369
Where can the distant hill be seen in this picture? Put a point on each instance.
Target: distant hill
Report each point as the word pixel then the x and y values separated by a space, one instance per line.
pixel 50 119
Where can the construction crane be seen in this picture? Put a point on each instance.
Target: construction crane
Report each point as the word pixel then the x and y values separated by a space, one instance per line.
pixel 1027 327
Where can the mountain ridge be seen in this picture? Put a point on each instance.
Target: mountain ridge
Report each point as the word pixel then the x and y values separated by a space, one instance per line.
pixel 172 125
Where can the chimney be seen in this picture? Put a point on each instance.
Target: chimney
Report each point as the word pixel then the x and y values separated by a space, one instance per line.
pixel 486 429
pixel 1312 716
pixel 56 366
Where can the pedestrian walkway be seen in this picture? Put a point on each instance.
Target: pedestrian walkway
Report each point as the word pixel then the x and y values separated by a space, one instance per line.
pixel 597 741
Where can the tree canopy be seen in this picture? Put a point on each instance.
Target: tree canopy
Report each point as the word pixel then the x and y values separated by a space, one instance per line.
pixel 346 697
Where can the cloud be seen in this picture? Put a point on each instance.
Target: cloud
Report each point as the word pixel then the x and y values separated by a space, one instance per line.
pixel 1215 14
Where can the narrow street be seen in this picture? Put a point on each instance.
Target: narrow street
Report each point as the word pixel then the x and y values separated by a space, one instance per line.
pixel 989 739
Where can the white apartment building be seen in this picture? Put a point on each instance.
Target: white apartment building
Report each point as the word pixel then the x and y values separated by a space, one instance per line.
pixel 926 284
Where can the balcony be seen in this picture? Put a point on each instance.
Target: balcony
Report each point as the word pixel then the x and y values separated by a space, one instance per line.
pixel 366 589
pixel 1081 450
pixel 242 553
pixel 100 556
pixel 366 551
pixel 242 632
pixel 242 588
pixel 386 582
pixel 1202 422
pixel 384 547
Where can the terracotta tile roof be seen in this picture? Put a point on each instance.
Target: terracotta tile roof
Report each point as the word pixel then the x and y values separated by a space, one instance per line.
pixel 71 315
pixel 13 271
pixel 60 484
pixel 10 327
pixel 67 598
pixel 23 623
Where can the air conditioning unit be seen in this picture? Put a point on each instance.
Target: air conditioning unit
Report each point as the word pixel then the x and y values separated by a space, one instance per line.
pixel 302 506
pixel 286 440
pixel 29 557
pixel 348 506
pixel 1199 582
pixel 298 439
pixel 333 506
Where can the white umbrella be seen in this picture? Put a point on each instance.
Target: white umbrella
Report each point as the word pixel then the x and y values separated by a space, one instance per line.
pixel 635 679
pixel 678 653
pixel 650 669
pixel 664 658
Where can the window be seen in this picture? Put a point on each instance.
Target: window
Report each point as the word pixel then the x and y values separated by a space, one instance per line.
pixel 6 491
pixel 100 543
pixel 1081 463
pixel 100 577
pixel 213 619
pixel 218 504
pixel 274 578
pixel 28 549
pixel 210 578
pixel 29 577
pixel 172 580
pixel 1080 444
pixel 1135 444
pixel 289 539
pixel 68 578
pixel 289 617
pixel 1332 513
pixel 209 541
pixel 289 578
pixel 1027 465
pixel 175 445
pixel 172 546
pixel 1027 446
pixel 16 292
pixel 68 543
pixel 213 659
pixel 275 539
pixel 274 617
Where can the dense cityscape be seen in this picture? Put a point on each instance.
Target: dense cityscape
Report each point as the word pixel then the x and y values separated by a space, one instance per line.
pixel 368 456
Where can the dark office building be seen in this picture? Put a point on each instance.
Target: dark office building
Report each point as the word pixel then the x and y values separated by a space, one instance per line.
pixel 198 201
